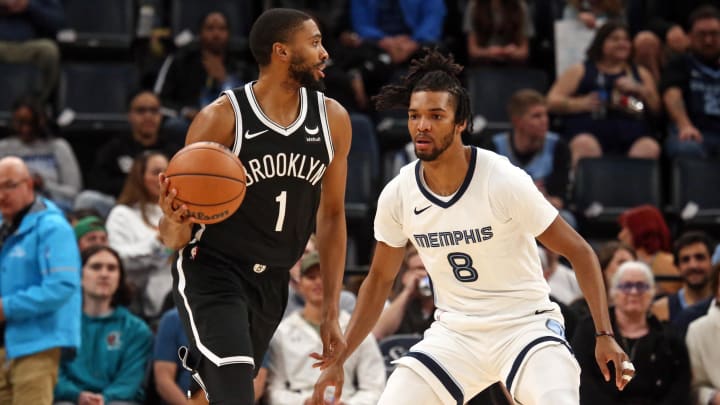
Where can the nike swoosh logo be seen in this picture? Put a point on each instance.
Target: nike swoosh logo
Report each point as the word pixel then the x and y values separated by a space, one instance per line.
pixel 420 211
pixel 538 311
pixel 313 131
pixel 248 135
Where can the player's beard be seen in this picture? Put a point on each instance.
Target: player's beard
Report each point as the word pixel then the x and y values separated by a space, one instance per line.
pixel 446 141
pixel 303 74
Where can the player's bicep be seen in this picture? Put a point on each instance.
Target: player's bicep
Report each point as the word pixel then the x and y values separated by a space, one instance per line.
pixel 215 123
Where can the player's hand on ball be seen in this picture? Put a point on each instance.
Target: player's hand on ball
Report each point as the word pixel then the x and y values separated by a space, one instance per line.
pixel 177 215
pixel 607 350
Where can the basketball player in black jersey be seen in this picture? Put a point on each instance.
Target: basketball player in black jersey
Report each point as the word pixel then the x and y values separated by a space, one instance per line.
pixel 231 278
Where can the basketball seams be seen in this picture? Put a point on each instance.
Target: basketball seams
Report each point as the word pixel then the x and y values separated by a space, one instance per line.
pixel 170 176
pixel 213 148
pixel 235 197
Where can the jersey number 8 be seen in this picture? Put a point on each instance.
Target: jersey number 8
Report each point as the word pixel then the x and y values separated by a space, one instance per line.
pixel 461 264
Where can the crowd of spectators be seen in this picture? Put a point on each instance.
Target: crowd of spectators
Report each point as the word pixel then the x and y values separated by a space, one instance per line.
pixel 93 317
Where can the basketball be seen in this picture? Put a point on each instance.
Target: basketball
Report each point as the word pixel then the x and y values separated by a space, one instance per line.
pixel 210 181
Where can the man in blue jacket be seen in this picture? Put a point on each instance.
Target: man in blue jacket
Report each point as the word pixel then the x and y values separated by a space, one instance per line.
pixel 39 289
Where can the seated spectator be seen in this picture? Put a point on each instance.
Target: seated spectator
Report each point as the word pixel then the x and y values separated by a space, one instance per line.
pixel 114 159
pixel 51 160
pixel 110 365
pixel 172 380
pixel 692 257
pixel 610 255
pixel 295 298
pixel 90 231
pixel 645 229
pixel 660 358
pixel 605 100
pixel 132 228
pixel 399 28
pixel 530 146
pixel 197 73
pixel 690 87
pixel 592 13
pixel 411 306
pixel 291 376
pixel 26 31
pixel 703 349
pixel 563 284
pixel 39 289
pixel 497 32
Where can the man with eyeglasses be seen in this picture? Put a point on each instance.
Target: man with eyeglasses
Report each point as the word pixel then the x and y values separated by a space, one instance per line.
pixel 690 87
pixel 39 289
pixel 114 158
pixel 692 253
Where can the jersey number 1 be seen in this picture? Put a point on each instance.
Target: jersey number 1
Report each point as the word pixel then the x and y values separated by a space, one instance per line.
pixel 282 201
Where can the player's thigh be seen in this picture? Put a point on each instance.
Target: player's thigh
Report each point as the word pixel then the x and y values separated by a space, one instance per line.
pixel 397 390
pixel 535 386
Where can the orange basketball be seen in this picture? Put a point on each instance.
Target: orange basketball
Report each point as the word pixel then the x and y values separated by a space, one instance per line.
pixel 209 179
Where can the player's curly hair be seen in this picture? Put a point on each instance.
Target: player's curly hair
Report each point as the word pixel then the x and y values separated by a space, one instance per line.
pixel 432 72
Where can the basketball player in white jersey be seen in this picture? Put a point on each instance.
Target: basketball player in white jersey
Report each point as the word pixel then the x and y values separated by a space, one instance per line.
pixel 474 218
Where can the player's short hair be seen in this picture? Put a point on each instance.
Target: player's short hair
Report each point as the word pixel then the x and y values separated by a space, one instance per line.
pixel 433 72
pixel 522 100
pixel 274 25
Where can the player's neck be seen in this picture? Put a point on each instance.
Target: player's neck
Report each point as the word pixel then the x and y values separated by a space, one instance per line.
pixel 279 99
pixel 445 174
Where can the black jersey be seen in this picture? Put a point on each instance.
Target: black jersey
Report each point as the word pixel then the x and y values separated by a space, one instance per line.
pixel 285 167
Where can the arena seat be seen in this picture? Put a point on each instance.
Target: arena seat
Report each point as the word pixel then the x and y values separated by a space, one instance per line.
pixel 605 187
pixel 110 27
pixel 694 191
pixel 186 15
pixel 16 80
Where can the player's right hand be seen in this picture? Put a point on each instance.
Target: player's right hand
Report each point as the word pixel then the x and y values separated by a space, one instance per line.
pixel 167 195
pixel 333 376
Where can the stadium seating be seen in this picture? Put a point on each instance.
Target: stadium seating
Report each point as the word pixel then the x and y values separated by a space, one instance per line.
pixel 98 24
pixel 694 191
pixel 186 15
pixel 16 80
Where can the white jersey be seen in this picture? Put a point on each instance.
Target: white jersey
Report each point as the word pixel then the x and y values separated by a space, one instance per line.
pixel 478 247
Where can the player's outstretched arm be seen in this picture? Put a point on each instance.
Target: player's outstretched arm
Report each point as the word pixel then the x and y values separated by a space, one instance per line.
pixel 562 238
pixel 371 299
pixel 331 226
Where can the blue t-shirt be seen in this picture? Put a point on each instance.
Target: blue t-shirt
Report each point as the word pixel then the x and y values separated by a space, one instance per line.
pixel 170 336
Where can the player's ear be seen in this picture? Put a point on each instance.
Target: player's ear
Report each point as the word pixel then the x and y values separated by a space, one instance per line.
pixel 461 127
pixel 281 51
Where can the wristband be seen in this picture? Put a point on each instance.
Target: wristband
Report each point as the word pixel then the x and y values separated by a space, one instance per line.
pixel 604 333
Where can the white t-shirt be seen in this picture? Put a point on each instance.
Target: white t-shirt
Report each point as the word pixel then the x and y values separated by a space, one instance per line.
pixel 479 247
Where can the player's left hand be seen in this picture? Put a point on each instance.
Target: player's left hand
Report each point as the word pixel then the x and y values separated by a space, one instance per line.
pixel 607 350
pixel 333 342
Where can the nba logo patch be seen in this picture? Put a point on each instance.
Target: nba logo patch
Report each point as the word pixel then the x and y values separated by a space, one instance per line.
pixel 259 268
pixel 193 252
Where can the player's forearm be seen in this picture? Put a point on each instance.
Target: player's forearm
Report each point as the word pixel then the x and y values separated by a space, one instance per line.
pixel 332 242
pixel 173 235
pixel 589 276
pixel 371 299
pixel 390 317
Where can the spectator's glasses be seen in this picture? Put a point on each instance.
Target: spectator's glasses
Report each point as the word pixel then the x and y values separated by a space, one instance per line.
pixel 11 185
pixel 699 257
pixel 146 110
pixel 627 287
